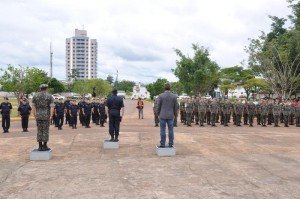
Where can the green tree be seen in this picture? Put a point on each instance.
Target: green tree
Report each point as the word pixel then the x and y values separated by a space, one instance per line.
pixel 198 74
pixel 56 86
pixel 34 77
pixel 226 85
pixel 110 79
pixel 126 85
pixel 156 87
pixel 83 87
pixel 177 88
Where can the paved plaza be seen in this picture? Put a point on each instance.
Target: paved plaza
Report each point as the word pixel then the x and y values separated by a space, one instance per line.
pixel 210 162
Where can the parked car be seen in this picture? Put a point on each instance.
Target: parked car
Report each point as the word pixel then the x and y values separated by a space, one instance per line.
pixel 56 95
pixel 121 94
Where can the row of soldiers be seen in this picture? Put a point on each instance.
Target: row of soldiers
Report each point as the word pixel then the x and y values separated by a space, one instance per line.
pixel 86 109
pixel 212 111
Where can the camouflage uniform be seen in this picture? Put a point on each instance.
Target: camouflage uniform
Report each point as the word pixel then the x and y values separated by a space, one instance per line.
pixel 208 113
pixel 239 109
pixel 264 114
pixel 221 105
pixel 245 114
pixel 276 113
pixel 226 109
pixel 214 107
pixel 182 112
pixel 270 114
pixel 250 111
pixel 42 102
pixel 196 113
pixel 287 110
pixel 156 120
pixel 189 112
pixel 202 111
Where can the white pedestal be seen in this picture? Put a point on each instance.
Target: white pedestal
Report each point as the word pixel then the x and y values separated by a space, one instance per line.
pixel 107 144
pixel 40 155
pixel 167 151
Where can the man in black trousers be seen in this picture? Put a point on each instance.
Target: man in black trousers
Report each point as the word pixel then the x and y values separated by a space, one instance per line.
pixel 24 111
pixel 5 112
pixel 115 111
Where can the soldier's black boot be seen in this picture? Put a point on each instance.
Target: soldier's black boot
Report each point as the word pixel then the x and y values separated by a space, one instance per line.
pixel 112 138
pixel 116 139
pixel 40 146
pixel 45 147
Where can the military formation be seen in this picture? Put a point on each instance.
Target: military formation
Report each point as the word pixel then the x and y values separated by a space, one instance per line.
pixel 66 112
pixel 88 111
pixel 200 111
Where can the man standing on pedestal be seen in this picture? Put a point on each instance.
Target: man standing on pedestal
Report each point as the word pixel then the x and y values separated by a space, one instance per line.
pixel 114 106
pixel 42 109
pixel 167 108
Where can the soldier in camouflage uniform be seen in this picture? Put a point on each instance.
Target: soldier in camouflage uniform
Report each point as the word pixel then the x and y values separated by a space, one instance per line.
pixel 233 112
pixel 221 105
pixel 239 109
pixel 43 108
pixel 270 112
pixel 276 113
pixel 189 111
pixel 281 115
pixel 214 108
pixel 226 109
pixel 196 113
pixel 208 114
pixel 182 111
pixel 292 118
pixel 297 114
pixel 156 120
pixel 202 107
pixel 264 113
pixel 251 112
pixel 287 110
pixel 258 112
pixel 245 113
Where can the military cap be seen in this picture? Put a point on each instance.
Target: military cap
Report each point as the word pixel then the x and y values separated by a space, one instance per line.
pixel 44 86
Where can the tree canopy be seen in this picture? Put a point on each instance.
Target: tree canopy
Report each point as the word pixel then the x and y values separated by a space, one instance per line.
pixel 198 74
pixel 83 87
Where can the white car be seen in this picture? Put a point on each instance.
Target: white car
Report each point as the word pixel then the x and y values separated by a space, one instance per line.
pixel 183 97
pixel 58 96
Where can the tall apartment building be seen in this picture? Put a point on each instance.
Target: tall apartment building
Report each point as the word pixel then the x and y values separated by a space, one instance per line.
pixel 81 56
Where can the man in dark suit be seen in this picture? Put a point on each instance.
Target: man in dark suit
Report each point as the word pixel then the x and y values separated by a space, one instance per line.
pixel 167 109
pixel 115 111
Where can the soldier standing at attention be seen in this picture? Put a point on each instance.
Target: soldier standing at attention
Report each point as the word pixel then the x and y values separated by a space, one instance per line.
pixel 258 112
pixel 264 113
pixel 156 120
pixel 5 112
pixel 245 113
pixel 287 109
pixel 214 108
pixel 196 112
pixel 238 109
pixel 95 111
pixel 189 112
pixel 208 114
pixel 276 112
pixel 54 117
pixel 87 112
pixel 115 111
pixel 227 107
pixel 140 107
pixel 67 106
pixel 297 113
pixel 73 112
pixel 251 111
pixel 181 105
pixel 24 111
pixel 293 104
pixel 101 109
pixel 202 111
pixel 59 111
pixel 221 105
pixel 42 109
pixel 270 112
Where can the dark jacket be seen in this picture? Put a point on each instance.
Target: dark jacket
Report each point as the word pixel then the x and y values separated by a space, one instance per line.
pixel 167 105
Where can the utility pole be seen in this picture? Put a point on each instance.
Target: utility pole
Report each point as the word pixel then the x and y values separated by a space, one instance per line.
pixel 51 56
pixel 117 79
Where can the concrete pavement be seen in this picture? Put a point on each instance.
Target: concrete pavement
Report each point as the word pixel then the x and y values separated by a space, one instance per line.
pixel 210 162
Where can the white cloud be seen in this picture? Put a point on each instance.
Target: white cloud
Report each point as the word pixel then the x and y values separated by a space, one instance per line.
pixel 137 37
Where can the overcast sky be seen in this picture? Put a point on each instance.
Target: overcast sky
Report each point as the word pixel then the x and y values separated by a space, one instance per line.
pixel 137 37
